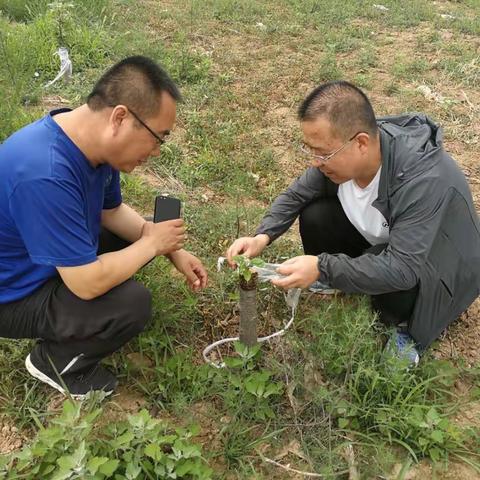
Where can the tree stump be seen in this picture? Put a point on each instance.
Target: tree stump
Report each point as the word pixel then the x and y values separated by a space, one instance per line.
pixel 248 311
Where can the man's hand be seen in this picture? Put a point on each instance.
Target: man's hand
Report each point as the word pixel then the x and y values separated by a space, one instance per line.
pixel 251 247
pixel 191 267
pixel 167 237
pixel 301 272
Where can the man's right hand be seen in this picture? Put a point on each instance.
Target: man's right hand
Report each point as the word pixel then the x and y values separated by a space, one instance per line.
pixel 93 279
pixel 167 237
pixel 249 246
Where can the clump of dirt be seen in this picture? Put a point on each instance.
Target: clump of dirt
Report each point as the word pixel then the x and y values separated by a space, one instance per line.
pixel 452 471
pixel 11 438
pixel 124 401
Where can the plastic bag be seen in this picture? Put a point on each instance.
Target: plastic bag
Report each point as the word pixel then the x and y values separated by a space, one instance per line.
pixel 65 67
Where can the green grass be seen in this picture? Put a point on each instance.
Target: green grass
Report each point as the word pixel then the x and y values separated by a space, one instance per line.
pixel 238 63
pixel 27 54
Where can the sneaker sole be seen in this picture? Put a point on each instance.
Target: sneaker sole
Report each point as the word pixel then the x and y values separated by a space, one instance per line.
pixel 36 373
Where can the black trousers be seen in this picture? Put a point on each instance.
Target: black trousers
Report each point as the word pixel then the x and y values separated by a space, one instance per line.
pixel 324 227
pixel 68 327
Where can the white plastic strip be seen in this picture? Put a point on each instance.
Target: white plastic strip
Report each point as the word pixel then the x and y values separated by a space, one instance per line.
pixel 72 362
pixel 65 66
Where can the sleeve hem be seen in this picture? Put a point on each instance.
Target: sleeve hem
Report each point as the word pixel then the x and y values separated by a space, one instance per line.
pixel 64 262
pixel 112 206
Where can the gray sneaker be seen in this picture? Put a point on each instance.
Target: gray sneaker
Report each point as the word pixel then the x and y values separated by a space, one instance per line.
pixel 322 288
pixel 402 346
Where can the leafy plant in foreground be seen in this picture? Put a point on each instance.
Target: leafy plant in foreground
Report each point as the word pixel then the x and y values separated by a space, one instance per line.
pixel 140 447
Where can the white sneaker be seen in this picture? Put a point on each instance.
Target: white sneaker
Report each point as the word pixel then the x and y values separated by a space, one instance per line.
pixel 79 386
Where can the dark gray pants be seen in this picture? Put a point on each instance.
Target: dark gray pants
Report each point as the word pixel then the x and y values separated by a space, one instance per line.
pixel 69 327
pixel 324 227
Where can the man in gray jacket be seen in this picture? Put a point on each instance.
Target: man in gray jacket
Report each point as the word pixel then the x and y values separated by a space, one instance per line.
pixel 384 211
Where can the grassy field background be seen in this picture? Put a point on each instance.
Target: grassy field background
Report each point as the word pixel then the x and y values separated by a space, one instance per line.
pixel 323 399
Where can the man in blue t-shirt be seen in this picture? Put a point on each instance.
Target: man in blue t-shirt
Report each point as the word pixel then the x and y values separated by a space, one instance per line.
pixel 68 245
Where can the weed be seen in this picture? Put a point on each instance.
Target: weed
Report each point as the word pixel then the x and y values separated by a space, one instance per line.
pixel 19 10
pixel 249 391
pixel 377 394
pixel 239 440
pixel 328 69
pixel 27 52
pixel 405 69
pixel 175 378
pixel 69 448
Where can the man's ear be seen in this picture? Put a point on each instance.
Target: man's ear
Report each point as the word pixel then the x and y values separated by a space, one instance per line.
pixel 364 141
pixel 117 118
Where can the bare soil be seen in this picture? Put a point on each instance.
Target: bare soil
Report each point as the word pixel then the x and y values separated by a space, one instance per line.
pixel 11 438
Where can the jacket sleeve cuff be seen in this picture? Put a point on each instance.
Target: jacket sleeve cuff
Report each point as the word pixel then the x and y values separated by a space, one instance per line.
pixel 322 268
pixel 268 233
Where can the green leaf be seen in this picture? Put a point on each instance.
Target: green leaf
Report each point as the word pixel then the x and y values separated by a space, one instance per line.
pixel 71 411
pixel 80 453
pixel 252 385
pixel 257 262
pixel 48 469
pixel 108 468
pixel 272 389
pixel 153 451
pixel 435 454
pixel 62 475
pixel 432 416
pixel 437 435
pixel 124 439
pixel 140 419
pixel 235 380
pixel 133 471
pixel 422 441
pixel 343 422
pixel 160 470
pixel 94 464
pixel 67 462
pixel 232 362
pixel 184 468
pixel 195 429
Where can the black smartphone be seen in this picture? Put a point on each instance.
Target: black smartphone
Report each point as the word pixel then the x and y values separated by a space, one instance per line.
pixel 166 208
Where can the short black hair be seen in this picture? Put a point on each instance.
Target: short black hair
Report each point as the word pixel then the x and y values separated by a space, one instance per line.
pixel 135 82
pixel 344 105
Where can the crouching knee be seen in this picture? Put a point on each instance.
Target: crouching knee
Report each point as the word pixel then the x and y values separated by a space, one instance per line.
pixel 138 305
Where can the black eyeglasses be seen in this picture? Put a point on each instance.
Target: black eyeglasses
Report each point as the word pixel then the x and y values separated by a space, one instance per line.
pixel 160 140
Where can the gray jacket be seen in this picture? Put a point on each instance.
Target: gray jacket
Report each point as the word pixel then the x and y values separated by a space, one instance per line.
pixel 434 230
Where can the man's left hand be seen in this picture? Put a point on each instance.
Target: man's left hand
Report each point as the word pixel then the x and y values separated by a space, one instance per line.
pixel 300 272
pixel 191 267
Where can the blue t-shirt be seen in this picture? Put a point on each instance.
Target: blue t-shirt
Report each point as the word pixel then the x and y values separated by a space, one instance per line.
pixel 51 199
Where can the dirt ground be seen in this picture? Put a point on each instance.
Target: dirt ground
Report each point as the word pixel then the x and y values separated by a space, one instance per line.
pixel 11 438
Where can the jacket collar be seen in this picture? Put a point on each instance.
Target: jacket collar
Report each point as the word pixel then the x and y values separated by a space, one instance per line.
pixel 382 201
